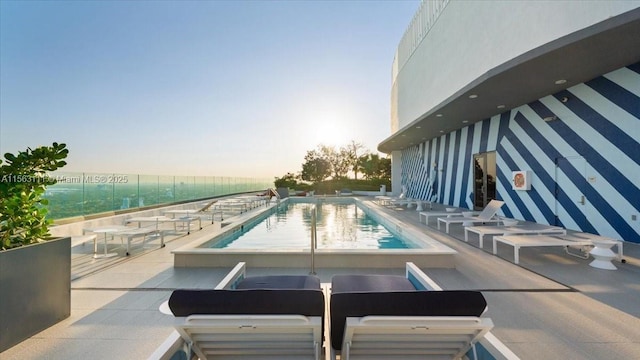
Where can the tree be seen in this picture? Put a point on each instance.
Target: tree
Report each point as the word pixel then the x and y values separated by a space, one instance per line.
pixel 374 167
pixel 315 168
pixel 325 161
pixel 337 159
pixel 341 164
pixel 384 168
pixel 352 157
pixel 287 181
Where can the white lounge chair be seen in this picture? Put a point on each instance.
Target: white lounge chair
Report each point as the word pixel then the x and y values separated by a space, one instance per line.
pixel 486 216
pixel 450 211
pixel 185 220
pixel 520 241
pixel 597 246
pixel 206 209
pixel 266 317
pixel 527 228
pixel 233 205
pixel 391 317
pixel 389 200
pixel 143 232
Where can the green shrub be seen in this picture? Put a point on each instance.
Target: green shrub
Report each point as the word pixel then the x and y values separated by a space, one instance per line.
pixel 23 180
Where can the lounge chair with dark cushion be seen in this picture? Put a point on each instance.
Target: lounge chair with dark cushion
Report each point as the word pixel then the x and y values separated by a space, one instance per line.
pixel 385 316
pixel 395 317
pixel 264 317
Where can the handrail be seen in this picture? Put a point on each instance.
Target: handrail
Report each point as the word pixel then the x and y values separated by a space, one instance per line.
pixel 314 237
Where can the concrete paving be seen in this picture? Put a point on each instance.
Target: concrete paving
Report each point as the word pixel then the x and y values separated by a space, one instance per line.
pixel 550 306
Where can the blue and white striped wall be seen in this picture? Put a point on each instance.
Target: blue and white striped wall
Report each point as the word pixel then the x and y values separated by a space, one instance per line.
pixel 592 149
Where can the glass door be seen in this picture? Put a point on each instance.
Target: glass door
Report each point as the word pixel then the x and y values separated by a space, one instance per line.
pixel 484 175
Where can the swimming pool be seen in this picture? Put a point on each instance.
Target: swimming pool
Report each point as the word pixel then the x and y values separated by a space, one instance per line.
pixel 420 248
pixel 340 225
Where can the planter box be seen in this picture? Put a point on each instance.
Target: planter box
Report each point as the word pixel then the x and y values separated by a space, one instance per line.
pixel 35 289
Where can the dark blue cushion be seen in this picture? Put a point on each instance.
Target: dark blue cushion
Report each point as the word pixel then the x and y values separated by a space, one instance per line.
pixel 280 282
pixel 250 302
pixel 361 283
pixel 356 296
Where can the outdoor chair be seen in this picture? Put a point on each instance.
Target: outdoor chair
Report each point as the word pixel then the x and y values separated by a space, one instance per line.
pixel 395 317
pixel 488 215
pixel 266 317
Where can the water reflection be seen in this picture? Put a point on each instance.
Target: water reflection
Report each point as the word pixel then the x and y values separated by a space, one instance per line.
pixel 339 226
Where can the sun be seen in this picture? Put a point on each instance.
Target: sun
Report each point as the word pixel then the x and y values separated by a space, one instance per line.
pixel 330 129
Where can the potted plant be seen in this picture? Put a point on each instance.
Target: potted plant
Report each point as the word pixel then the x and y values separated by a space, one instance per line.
pixel 35 270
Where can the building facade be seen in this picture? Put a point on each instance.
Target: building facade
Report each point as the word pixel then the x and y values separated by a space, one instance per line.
pixel 533 103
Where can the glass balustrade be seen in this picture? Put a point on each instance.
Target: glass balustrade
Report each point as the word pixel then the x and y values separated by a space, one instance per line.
pixel 81 194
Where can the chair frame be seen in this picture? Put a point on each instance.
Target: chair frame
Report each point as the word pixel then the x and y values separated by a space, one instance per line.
pixel 253 336
pixel 488 215
pixel 474 330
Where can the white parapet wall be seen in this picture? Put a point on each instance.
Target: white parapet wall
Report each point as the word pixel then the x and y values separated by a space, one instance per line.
pixel 443 61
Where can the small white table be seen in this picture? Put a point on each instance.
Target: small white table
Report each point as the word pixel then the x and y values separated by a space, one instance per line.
pixel 109 229
pixel 601 252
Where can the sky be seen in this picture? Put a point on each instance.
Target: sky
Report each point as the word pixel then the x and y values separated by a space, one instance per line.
pixel 196 88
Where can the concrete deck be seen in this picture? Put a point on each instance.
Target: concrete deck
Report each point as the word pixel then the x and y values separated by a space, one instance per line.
pixel 550 306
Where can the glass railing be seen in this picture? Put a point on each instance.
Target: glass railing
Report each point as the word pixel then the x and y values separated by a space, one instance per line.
pixel 81 194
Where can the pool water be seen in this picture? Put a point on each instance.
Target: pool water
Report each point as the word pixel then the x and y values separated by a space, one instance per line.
pixel 339 226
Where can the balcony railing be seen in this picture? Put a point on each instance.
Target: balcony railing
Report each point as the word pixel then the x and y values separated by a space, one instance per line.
pixel 81 194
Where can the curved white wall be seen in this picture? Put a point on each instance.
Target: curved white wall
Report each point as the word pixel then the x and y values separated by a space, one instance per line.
pixel 472 37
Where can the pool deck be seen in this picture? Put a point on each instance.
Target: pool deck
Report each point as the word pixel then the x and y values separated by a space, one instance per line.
pixel 550 306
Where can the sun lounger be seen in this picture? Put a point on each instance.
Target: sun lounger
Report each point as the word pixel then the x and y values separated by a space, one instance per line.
pixel 486 216
pixel 266 317
pixel 597 246
pixel 395 317
pixel 520 241
pixel 528 228
pixel 344 192
pixel 269 193
pixel 187 220
pixel 130 234
pixel 121 231
pixel 389 200
pixel 429 214
pixel 233 205
pixel 205 210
